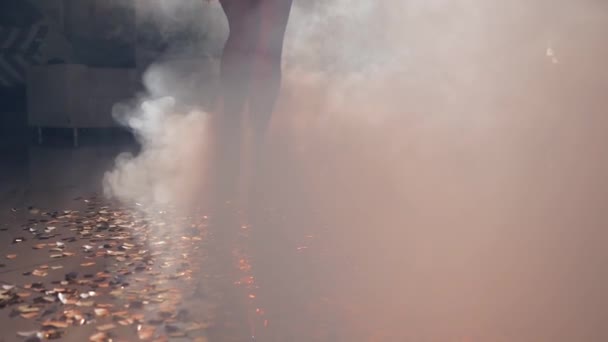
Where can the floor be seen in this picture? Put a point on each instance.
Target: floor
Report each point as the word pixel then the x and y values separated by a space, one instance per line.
pixel 54 253
pixel 443 249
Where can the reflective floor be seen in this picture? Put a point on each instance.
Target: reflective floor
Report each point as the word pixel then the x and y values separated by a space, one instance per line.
pixel 341 258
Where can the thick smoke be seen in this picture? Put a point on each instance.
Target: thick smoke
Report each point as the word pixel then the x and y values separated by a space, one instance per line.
pixel 449 152
pixel 170 118
pixel 169 166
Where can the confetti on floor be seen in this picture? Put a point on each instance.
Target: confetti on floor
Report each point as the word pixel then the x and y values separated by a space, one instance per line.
pixel 130 274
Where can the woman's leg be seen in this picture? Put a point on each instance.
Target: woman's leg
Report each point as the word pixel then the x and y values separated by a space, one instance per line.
pixel 236 67
pixel 268 242
pixel 266 82
pixel 251 74
pixel 266 73
pixel 265 85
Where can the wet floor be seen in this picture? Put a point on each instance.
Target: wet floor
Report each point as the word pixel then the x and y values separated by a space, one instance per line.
pixel 76 266
pixel 422 267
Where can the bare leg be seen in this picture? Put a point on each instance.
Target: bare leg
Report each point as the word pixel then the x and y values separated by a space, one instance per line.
pixel 266 83
pixel 268 242
pixel 236 66
pixel 251 74
pixel 266 75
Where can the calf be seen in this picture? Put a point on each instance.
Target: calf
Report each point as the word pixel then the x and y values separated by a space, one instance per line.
pixel 250 79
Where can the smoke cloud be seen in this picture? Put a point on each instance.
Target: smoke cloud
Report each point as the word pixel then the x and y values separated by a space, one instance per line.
pixel 448 154
pixel 442 146
pixel 170 118
pixel 167 169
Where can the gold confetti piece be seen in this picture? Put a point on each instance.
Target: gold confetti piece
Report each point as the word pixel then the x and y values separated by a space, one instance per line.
pixel 23 294
pixel 121 313
pixel 125 322
pixel 69 254
pixel 49 299
pixel 29 334
pixel 101 312
pixel 52 334
pixel 72 313
pixel 30 315
pixel 99 337
pixel 63 298
pixel 106 327
pixel 40 273
pixel 116 293
pixel 87 264
pixel 27 308
pixel 11 256
pixel 103 275
pixel 85 303
pixel 145 332
pixel 56 324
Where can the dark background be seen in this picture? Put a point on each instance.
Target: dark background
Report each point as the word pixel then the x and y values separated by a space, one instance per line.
pixel 98 33
pixel 92 33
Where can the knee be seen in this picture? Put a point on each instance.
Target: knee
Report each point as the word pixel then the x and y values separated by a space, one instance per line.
pixel 268 67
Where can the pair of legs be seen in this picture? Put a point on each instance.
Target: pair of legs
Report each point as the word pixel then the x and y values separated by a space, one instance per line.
pixel 250 79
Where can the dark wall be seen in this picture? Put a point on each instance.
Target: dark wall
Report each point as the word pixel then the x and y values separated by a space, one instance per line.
pixel 17 13
pixel 13 121
pixel 12 99
pixel 102 32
